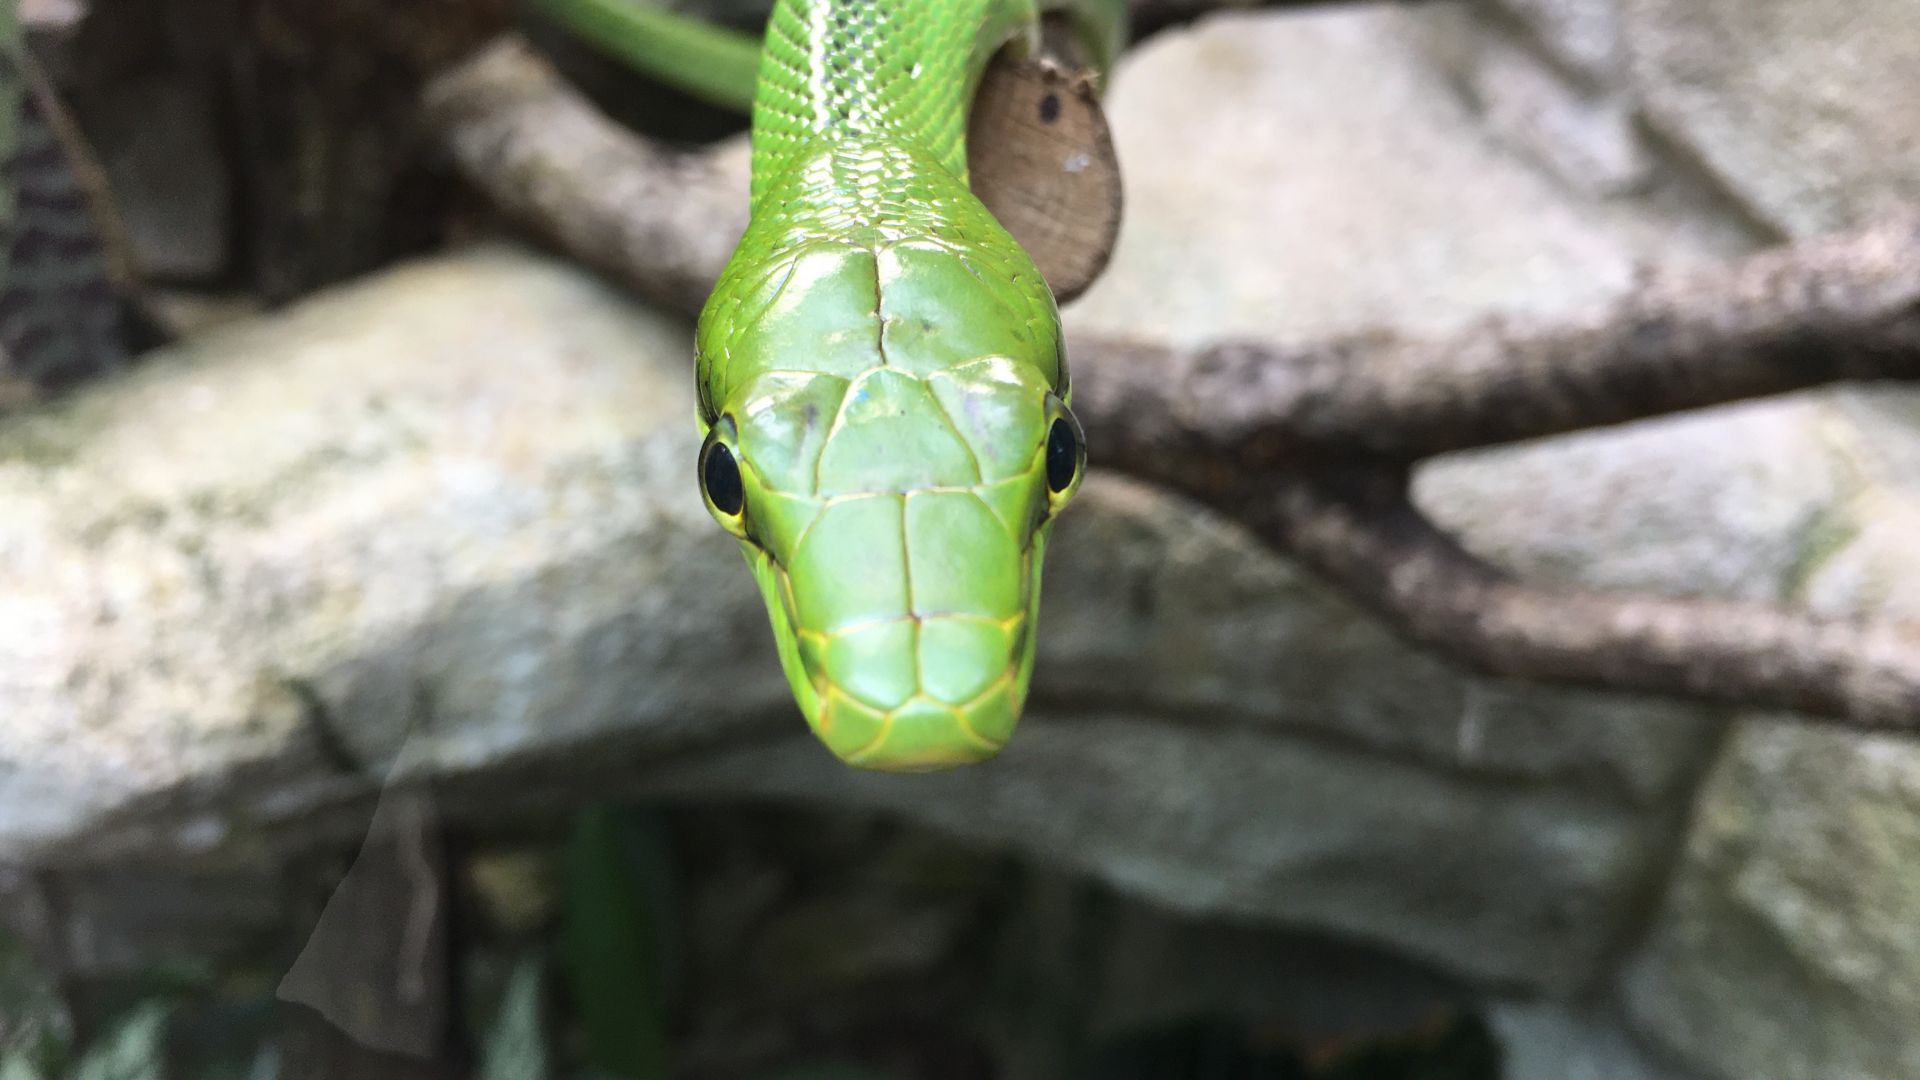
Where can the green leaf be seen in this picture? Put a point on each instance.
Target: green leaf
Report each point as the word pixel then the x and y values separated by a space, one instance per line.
pixel 616 938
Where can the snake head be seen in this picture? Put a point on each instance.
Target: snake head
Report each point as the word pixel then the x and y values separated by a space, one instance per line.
pixel 896 525
pixel 883 399
pixel 892 471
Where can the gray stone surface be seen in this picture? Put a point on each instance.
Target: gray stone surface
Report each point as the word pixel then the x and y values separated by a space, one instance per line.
pixel 1551 1040
pixel 383 497
pixel 1725 503
pixel 1590 141
pixel 1806 109
pixel 1585 134
pixel 1380 201
pixel 1584 35
pixel 1787 946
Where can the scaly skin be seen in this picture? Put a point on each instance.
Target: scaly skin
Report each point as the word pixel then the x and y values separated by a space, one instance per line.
pixel 883 366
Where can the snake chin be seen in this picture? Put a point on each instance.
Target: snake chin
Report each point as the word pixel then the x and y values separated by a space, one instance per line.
pixel 908 693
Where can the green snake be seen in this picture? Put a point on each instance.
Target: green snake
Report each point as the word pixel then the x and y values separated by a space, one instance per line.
pixel 883 389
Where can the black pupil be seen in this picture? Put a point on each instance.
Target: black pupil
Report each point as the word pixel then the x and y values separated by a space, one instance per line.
pixel 722 477
pixel 1063 455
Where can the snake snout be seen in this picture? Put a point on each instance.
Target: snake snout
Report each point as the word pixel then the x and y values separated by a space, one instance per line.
pixel 910 616
pixel 915 693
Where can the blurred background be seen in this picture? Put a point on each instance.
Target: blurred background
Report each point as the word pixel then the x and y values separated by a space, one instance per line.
pixel 378 700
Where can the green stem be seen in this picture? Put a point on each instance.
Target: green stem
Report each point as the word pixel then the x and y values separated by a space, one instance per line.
pixel 711 63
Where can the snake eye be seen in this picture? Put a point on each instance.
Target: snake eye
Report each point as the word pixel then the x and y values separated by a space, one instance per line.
pixel 1065 454
pixel 720 478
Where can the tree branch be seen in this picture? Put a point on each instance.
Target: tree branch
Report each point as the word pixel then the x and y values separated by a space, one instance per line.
pixel 1842 308
pixel 1309 444
pixel 1357 529
pixel 660 220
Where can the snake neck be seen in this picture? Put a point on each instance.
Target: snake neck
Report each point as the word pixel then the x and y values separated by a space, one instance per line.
pixel 864 190
pixel 874 72
pixel 868 254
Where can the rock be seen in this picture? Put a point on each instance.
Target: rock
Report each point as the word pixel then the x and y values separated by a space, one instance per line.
pixel 273 145
pixel 1584 35
pixel 1723 503
pixel 373 975
pixel 1804 109
pixel 1588 138
pixel 1786 947
pixel 216 543
pixel 1546 1040
pixel 1379 199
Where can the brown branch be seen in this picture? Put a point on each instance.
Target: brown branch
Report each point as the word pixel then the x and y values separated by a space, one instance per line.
pixel 1843 308
pixel 1357 529
pixel 1308 445
pixel 660 220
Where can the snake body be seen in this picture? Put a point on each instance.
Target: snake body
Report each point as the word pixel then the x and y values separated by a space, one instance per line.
pixel 883 388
